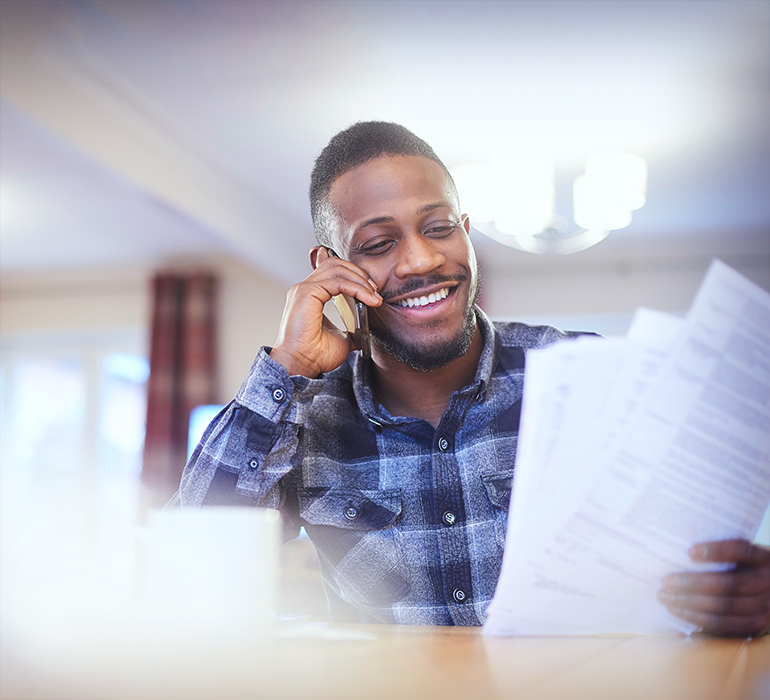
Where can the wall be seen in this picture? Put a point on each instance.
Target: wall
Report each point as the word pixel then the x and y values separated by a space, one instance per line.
pixel 73 301
pixel 251 308
pixel 600 288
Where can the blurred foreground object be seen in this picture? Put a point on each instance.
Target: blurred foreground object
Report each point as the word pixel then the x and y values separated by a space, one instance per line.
pixel 383 662
pixel 211 563
pixel 73 608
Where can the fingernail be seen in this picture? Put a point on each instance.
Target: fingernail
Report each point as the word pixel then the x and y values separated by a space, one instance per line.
pixel 671 583
pixel 699 551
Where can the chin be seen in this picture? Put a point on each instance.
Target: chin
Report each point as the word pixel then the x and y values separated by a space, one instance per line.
pixel 431 354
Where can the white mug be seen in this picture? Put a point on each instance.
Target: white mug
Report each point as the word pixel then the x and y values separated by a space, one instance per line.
pixel 215 564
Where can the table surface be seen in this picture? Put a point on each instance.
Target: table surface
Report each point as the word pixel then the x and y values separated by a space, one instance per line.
pixel 367 662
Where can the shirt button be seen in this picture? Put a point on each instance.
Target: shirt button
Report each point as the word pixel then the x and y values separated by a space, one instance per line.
pixel 278 395
pixel 449 518
pixel 351 512
pixel 443 444
pixel 253 464
pixel 459 595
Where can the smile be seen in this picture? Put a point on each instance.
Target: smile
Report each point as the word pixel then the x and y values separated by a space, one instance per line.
pixel 425 300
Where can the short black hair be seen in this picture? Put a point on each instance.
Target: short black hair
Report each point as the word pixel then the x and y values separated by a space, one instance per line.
pixel 356 145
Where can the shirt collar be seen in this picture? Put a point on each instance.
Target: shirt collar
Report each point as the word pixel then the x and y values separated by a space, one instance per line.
pixel 364 392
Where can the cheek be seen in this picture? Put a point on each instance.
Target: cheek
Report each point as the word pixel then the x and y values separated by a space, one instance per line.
pixel 461 254
pixel 378 271
pixel 463 243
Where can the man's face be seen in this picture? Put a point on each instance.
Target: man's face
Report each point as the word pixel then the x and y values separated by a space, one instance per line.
pixel 398 218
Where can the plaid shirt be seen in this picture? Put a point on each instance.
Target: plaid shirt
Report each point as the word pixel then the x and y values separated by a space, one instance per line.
pixel 409 522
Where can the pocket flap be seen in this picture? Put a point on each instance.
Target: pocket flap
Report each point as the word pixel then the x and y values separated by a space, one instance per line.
pixel 350 508
pixel 498 485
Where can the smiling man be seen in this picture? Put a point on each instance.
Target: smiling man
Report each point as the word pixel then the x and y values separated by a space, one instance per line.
pixel 400 466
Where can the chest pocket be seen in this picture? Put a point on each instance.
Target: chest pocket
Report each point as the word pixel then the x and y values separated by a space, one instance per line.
pixel 498 486
pixel 359 542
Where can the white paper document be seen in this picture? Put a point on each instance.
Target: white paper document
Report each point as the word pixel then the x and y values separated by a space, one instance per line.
pixel 630 451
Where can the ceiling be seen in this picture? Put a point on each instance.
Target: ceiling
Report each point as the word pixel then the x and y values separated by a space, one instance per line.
pixel 159 131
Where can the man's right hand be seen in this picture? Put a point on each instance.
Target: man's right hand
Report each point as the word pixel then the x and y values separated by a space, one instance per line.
pixel 308 343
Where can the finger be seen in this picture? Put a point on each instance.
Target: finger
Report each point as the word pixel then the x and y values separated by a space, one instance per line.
pixel 323 286
pixel 351 288
pixel 730 551
pixel 341 277
pixel 724 625
pixel 715 605
pixel 318 255
pixel 738 582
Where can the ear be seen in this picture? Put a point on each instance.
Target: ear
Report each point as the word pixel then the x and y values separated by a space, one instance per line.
pixel 466 222
pixel 318 255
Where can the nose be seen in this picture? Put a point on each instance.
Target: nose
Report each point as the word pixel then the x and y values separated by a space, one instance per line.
pixel 418 256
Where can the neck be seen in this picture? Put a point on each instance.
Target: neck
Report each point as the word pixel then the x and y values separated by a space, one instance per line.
pixel 405 391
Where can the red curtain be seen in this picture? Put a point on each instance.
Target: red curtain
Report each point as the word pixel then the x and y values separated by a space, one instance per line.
pixel 183 368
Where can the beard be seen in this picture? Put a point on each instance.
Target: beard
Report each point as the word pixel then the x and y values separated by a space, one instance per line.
pixel 429 355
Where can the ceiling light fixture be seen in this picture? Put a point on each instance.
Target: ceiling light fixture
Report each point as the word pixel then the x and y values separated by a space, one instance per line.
pixel 514 202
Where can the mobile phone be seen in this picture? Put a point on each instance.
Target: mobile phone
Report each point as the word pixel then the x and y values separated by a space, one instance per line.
pixel 355 316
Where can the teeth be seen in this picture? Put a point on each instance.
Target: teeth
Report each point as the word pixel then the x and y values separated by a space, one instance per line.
pixel 425 300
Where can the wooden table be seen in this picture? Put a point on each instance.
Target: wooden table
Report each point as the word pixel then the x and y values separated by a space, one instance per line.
pixel 372 662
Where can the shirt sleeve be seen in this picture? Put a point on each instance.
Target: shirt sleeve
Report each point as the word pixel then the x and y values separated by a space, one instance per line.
pixel 253 442
pixel 554 335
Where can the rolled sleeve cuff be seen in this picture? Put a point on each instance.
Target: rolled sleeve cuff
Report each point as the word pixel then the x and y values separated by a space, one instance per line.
pixel 270 392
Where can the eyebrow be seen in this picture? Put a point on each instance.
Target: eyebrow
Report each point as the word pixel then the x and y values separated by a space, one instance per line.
pixel 390 219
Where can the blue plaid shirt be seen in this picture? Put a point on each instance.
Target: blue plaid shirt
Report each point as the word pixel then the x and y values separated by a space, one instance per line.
pixel 409 521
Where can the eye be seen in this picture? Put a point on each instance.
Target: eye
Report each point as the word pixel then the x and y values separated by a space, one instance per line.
pixel 440 229
pixel 375 247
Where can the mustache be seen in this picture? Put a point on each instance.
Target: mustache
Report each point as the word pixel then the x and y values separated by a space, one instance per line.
pixel 417 283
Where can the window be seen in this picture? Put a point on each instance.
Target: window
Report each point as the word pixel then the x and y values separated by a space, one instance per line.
pixel 72 422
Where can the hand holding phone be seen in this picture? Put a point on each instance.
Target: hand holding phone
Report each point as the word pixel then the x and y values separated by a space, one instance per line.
pixel 308 343
pixel 355 316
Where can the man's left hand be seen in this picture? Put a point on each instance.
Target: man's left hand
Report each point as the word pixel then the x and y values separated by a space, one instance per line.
pixel 733 603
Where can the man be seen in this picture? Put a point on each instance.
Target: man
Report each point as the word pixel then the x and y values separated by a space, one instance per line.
pixel 400 467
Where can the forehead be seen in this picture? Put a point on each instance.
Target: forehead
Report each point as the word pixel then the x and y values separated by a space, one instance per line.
pixel 390 186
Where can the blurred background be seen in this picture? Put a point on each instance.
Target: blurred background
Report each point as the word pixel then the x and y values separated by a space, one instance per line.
pixel 156 159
